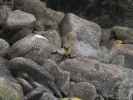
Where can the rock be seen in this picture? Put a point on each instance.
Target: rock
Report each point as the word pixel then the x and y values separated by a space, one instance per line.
pixel 4 12
pixel 35 94
pixel 73 98
pixel 111 81
pixel 42 76
pixel 62 78
pixel 35 47
pixel 10 90
pixel 81 35
pixel 4 47
pixel 19 19
pixel 48 96
pixel 46 18
pixel 126 51
pixel 21 34
pixel 108 56
pixel 123 33
pixel 52 35
pixel 83 90
pixel 27 87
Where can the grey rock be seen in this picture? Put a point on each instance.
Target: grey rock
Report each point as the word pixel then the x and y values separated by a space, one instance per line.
pixel 27 87
pixel 4 12
pixel 48 96
pixel 42 76
pixel 111 81
pixel 123 33
pixel 4 47
pixel 34 94
pixel 52 35
pixel 21 34
pixel 46 18
pixel 81 35
pixel 19 19
pixel 83 90
pixel 9 88
pixel 126 51
pixel 62 78
pixel 35 47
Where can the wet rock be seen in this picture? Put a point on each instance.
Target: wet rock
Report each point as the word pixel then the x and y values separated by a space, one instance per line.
pixel 4 47
pixel 19 19
pixel 111 81
pixel 46 18
pixel 83 90
pixel 52 35
pixel 62 78
pixel 35 47
pixel 48 96
pixel 23 65
pixel 80 35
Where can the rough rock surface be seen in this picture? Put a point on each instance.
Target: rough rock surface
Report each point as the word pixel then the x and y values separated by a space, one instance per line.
pixel 52 35
pixel 111 81
pixel 20 19
pixel 83 90
pixel 46 18
pixel 35 47
pixel 81 35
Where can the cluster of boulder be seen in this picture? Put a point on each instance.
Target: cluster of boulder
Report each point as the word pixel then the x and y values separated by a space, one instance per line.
pixel 50 55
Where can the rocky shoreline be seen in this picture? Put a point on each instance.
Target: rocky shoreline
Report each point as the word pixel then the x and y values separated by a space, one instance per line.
pixel 47 54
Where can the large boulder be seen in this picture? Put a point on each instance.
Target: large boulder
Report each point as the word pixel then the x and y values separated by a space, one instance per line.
pixel 52 35
pixel 46 18
pixel 22 65
pixel 111 81
pixel 19 19
pixel 35 47
pixel 62 78
pixel 80 35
